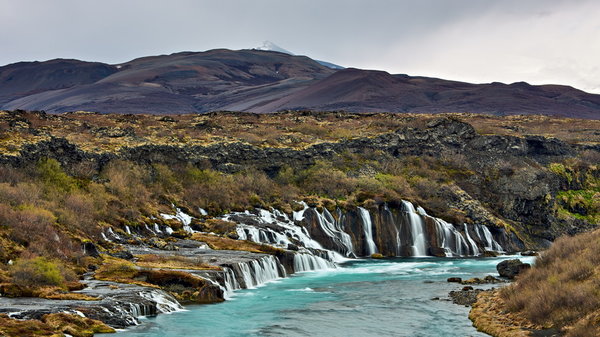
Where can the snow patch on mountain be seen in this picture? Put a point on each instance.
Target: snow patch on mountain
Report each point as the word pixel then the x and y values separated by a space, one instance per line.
pixel 270 46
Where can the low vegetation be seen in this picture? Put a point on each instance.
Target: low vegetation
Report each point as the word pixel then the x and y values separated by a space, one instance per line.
pixel 223 243
pixel 173 262
pixel 54 325
pixel 561 290
pixel 298 129
pixel 158 273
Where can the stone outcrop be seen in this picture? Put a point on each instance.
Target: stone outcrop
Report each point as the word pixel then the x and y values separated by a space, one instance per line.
pixel 511 268
pixel 465 297
pixel 119 306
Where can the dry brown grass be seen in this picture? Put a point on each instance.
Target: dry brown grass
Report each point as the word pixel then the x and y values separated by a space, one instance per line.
pixel 75 325
pixel 222 243
pixel 54 325
pixel 173 262
pixel 287 129
pixel 10 327
pixel 488 315
pixel 561 289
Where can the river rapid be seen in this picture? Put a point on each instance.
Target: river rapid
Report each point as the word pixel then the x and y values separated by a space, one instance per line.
pixel 391 297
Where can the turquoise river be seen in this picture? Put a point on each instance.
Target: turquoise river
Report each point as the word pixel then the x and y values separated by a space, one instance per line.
pixel 391 297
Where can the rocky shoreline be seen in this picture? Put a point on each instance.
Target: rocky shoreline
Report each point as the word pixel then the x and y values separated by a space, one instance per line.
pixel 487 306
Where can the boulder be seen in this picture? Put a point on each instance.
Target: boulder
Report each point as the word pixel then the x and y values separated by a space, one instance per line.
pixel 122 254
pixel 437 251
pixel 454 279
pixel 511 268
pixel 465 297
pixel 489 253
pixel 90 249
pixel 488 279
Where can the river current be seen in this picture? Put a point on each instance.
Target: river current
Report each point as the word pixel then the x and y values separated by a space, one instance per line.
pixel 391 297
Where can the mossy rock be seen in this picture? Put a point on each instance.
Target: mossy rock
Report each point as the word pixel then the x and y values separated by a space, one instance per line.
pixel 75 325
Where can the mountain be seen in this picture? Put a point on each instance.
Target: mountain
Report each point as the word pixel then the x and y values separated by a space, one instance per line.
pixel 182 82
pixel 270 46
pixel 265 81
pixel 367 90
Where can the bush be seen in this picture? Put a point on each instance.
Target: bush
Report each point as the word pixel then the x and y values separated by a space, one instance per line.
pixel 53 176
pixel 39 272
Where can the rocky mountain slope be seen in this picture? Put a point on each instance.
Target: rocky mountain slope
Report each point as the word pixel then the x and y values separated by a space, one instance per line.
pixel 265 81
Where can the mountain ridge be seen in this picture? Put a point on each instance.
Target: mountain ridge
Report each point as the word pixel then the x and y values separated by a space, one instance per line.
pixel 266 81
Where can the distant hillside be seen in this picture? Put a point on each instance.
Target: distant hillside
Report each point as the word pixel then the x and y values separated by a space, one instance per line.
pixel 265 81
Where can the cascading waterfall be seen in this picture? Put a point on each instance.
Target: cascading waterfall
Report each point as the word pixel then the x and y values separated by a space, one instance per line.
pixel 184 218
pixel 258 272
pixel 230 282
pixel 419 246
pixel 164 302
pixel 327 224
pixel 472 243
pixel 485 236
pixel 368 228
pixel 452 240
pixel 288 233
pixel 309 262
pixel 411 234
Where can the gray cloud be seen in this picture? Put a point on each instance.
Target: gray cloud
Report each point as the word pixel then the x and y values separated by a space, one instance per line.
pixel 539 41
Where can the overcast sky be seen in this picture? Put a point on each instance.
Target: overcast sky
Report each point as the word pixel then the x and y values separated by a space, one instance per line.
pixel 538 41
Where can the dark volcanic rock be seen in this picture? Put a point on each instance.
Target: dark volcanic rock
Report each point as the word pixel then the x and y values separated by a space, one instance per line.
pixel 119 306
pixel 511 268
pixel 486 280
pixel 90 249
pixel 465 297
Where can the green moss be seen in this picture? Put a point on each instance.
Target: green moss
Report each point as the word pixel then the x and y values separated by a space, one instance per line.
pixel 561 170
pixel 580 204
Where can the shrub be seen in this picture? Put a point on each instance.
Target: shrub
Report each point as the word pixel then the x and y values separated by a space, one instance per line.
pixel 39 271
pixel 53 176
pixel 562 288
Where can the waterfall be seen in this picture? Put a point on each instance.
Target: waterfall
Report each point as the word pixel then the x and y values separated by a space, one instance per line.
pixel 368 229
pixel 341 238
pixel 184 218
pixel 230 282
pixel 164 302
pixel 258 272
pixel 416 233
pixel 447 234
pixel 472 243
pixel 416 223
pixel 485 236
pixel 299 215
pixel 308 262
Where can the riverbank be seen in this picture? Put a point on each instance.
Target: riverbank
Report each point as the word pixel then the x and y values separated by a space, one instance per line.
pixel 389 297
pixel 558 296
